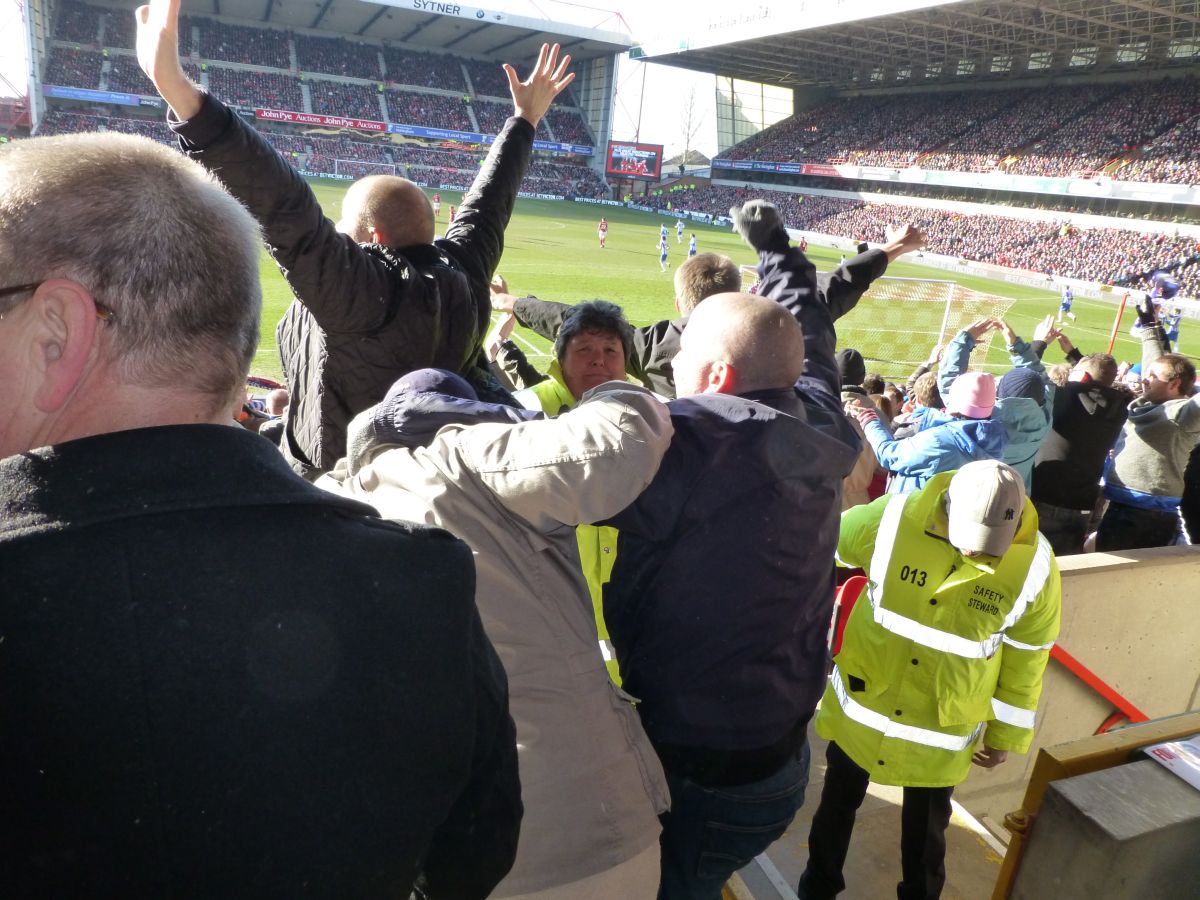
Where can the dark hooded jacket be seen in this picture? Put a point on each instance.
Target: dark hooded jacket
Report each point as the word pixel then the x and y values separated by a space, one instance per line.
pixel 722 591
pixel 364 314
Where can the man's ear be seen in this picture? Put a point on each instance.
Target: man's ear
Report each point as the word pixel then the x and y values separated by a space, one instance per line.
pixel 64 332
pixel 721 378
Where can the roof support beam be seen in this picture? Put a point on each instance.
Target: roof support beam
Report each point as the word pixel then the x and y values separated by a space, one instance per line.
pixel 266 16
pixel 371 21
pixel 1169 13
pixel 321 13
pixel 466 34
pixel 412 34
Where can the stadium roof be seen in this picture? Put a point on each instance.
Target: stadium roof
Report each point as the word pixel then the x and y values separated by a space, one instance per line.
pixel 468 30
pixel 890 43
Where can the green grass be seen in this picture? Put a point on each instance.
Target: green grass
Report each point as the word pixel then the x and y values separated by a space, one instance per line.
pixel 551 250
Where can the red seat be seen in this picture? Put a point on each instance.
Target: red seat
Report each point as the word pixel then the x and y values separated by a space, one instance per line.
pixel 843 603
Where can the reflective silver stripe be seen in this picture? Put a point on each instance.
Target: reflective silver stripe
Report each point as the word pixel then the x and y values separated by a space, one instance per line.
pixel 885 540
pixel 943 641
pixel 881 723
pixel 1021 646
pixel 1035 580
pixel 1013 715
pixel 607 651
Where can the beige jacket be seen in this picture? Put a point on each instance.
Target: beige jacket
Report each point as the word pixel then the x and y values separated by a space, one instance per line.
pixel 590 781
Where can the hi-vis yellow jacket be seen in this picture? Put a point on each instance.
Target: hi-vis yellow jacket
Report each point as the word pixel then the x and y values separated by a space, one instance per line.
pixel 597 543
pixel 942 648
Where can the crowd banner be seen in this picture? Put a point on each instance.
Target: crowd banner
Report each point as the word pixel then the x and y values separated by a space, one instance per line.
pixel 299 118
pixel 114 97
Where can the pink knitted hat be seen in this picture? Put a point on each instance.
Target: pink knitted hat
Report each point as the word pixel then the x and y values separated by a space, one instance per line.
pixel 973 394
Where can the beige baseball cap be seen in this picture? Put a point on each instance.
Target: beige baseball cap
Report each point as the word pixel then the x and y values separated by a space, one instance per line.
pixel 984 504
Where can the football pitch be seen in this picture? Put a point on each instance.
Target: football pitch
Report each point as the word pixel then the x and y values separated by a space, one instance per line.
pixel 551 251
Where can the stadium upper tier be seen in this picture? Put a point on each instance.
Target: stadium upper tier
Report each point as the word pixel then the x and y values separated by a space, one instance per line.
pixel 343 77
pixel 1101 255
pixel 1143 131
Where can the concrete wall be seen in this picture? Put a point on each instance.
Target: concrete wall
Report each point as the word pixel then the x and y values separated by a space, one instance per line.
pixel 1133 618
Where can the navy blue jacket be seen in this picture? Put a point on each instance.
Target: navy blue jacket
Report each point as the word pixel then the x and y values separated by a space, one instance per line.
pixel 722 591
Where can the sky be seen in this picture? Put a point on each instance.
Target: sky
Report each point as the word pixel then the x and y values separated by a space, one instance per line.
pixel 661 104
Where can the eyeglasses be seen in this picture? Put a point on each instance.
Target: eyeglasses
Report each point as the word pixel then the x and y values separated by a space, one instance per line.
pixel 103 312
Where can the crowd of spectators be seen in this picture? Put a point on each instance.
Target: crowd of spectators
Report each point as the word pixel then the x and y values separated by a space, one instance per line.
pixel 154 128
pixel 343 98
pixel 337 56
pixel 244 44
pixel 319 162
pixel 412 155
pixel 1173 157
pixel 568 127
pixel 126 76
pixel 61 121
pixel 343 147
pixel 422 69
pixel 74 67
pixel 429 110
pixel 119 31
pixel 1103 255
pixel 78 23
pixel 287 144
pixel 1058 130
pixel 492 116
pixel 544 177
pixel 245 88
pixel 488 78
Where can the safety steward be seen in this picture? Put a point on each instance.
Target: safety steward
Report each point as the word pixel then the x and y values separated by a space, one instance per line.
pixel 947 646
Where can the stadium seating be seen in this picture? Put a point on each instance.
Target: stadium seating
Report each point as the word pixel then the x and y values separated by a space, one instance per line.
pixel 1172 157
pixel 487 78
pixel 431 110
pixel 126 76
pixel 1058 130
pixel 346 149
pixel 243 44
pixel 337 56
pixel 568 127
pixel 342 98
pixel 434 70
pixel 120 30
pixel 78 23
pixel 244 88
pixel 75 68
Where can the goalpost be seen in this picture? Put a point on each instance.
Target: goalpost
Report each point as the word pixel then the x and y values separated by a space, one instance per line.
pixel 899 321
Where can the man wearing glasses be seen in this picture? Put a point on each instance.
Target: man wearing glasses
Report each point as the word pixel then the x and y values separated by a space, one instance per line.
pixel 178 722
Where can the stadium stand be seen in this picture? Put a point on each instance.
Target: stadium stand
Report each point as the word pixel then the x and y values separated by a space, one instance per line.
pixel 434 70
pixel 243 88
pixel 344 148
pixel 1058 130
pixel 78 23
pixel 1172 157
pixel 568 127
pixel 243 44
pixel 341 98
pixel 433 110
pixel 119 30
pixel 492 116
pixel 337 56
pixel 73 67
pixel 487 78
pixel 125 75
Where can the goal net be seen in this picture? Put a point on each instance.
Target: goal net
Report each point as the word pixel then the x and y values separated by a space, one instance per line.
pixel 899 321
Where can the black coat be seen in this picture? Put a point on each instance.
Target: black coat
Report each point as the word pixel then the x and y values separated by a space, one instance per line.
pixel 364 314
pixel 221 681
pixel 722 591
pixel 655 346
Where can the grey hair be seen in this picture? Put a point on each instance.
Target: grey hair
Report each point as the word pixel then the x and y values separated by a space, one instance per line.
pixel 151 235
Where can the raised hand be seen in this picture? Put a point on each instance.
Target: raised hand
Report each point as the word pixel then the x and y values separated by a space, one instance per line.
pixel 1046 330
pixel 533 96
pixel 158 55
pixel 758 222
pixel 902 239
pixel 1010 336
pixel 980 327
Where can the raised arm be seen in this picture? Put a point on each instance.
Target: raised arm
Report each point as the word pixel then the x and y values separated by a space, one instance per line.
pixel 476 239
pixel 957 357
pixel 343 286
pixel 844 286
pixel 786 276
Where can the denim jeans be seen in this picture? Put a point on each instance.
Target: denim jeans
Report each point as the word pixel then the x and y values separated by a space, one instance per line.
pixel 712 832
pixel 1128 528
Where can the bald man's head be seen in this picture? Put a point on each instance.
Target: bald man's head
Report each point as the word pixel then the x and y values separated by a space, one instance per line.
pixel 389 210
pixel 737 343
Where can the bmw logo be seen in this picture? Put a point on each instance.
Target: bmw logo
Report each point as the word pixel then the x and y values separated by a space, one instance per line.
pixel 479 13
